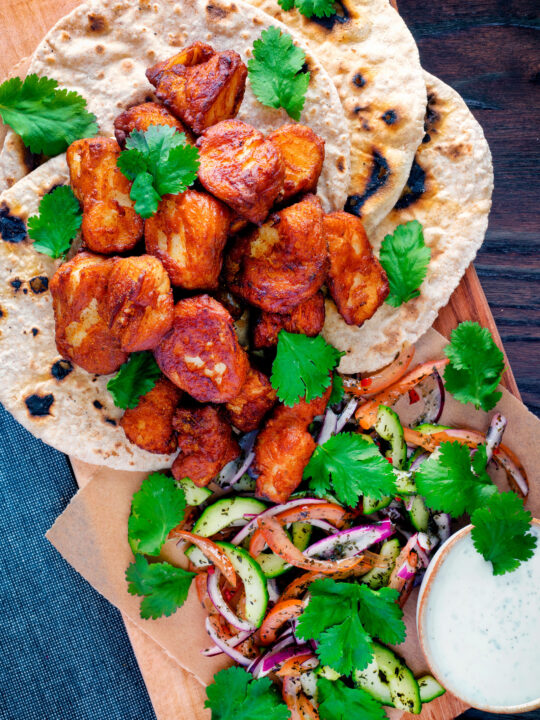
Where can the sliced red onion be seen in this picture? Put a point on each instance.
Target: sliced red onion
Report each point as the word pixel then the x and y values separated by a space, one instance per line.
pixel 495 433
pixel 442 521
pixel 253 525
pixel 426 541
pixel 231 652
pixel 328 427
pixel 273 659
pixel 233 471
pixel 273 592
pixel 351 542
pixel 406 571
pixel 346 415
pixel 230 642
pixel 433 394
pixel 221 606
pixel 250 457
pixel 419 460
pixel 324 525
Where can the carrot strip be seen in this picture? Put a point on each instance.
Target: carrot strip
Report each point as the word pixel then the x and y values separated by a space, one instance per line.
pixel 385 377
pixel 212 551
pixel 280 614
pixel 293 667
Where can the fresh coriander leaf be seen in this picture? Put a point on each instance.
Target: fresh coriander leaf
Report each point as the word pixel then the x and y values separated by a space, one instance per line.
pixel 405 258
pixel 381 615
pixel 337 701
pixel 46 118
pixel 450 482
pixel 350 465
pixel 319 8
pixel 286 4
pixel 338 390
pixel 156 509
pixel 136 377
pixel 159 161
pixel 236 695
pixel 274 72
pixel 476 365
pixel 346 646
pixel 57 224
pixel 302 367
pixel 164 587
pixel 501 532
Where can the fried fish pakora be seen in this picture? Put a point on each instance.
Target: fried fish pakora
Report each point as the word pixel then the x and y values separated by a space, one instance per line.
pixel 303 154
pixel 140 302
pixel 239 166
pixel 201 353
pixel 206 444
pixel 255 399
pixel 200 86
pixel 81 314
pixel 110 223
pixel 284 447
pixel 150 424
pixel 188 234
pixel 140 117
pixel 284 262
pixel 356 280
pixel 306 318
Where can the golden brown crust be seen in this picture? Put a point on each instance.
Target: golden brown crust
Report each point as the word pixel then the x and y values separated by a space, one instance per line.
pixel 255 399
pixel 200 86
pixel 150 424
pixel 201 353
pixel 188 234
pixel 306 318
pixel 303 154
pixel 356 280
pixel 140 117
pixel 239 166
pixel 79 295
pixel 140 302
pixel 206 444
pixel 110 223
pixel 283 263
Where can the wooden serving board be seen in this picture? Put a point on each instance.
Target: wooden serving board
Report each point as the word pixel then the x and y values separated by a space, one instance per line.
pixel 175 694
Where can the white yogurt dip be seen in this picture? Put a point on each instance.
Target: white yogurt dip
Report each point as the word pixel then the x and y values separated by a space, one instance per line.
pixel 481 632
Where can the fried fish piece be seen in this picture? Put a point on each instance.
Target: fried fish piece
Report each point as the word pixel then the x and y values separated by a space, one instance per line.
pixel 110 223
pixel 284 447
pixel 150 424
pixel 81 314
pixel 306 319
pixel 303 154
pixel 255 399
pixel 206 444
pixel 201 353
pixel 140 117
pixel 239 166
pixel 284 262
pixel 140 302
pixel 200 86
pixel 188 234
pixel 356 280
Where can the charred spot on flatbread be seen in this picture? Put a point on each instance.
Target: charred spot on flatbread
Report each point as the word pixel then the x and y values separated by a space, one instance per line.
pixel 110 421
pixel 415 187
pixel 96 23
pixel 97 405
pixel 2 313
pixel 35 332
pixel 340 164
pixel 380 172
pixel 216 12
pixel 12 228
pixel 39 405
pixel 390 117
pixel 16 284
pixel 359 80
pixel 61 369
pixel 340 16
pixel 39 284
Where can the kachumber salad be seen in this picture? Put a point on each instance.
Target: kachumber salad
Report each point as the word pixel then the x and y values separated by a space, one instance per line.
pixel 192 264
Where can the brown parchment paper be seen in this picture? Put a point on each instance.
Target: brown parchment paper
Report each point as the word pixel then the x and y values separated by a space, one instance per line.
pixel 91 534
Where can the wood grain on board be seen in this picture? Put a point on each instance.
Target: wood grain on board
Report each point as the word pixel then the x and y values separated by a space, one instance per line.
pixel 174 693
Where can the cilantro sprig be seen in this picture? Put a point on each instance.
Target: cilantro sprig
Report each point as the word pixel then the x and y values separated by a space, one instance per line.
pixel 308 8
pixel 302 367
pixel 163 586
pixel 57 224
pixel 350 465
pixel 160 161
pixel 275 72
pixel 46 118
pixel 337 701
pixel 405 258
pixel 345 617
pixel 236 695
pixel 136 377
pixel 156 509
pixel 476 366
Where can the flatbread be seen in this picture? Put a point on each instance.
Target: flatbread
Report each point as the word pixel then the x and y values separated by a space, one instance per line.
pixel 373 60
pixel 103 48
pixel 449 192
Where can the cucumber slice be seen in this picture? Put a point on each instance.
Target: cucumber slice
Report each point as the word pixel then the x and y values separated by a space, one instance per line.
pixel 378 577
pixel 194 495
pixel 370 505
pixel 327 672
pixel 389 427
pixel 404 690
pixel 224 512
pixel 301 534
pixel 430 428
pixel 374 682
pixel 196 557
pixel 405 483
pixel 419 513
pixel 245 484
pixel 429 688
pixel 254 581
pixel 308 681
pixel 274 566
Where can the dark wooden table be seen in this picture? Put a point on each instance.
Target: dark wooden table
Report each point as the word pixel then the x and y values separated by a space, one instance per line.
pixel 489 51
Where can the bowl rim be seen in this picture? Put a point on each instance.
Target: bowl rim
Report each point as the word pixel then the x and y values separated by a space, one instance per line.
pixel 423 597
